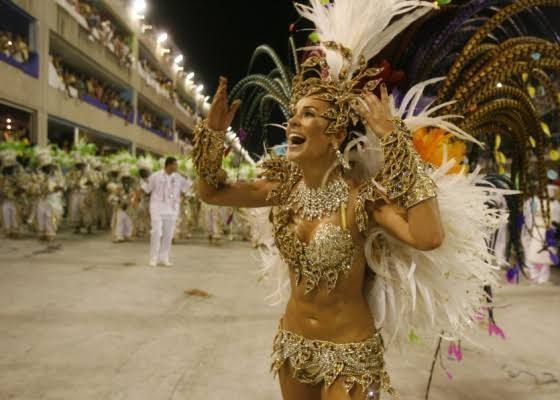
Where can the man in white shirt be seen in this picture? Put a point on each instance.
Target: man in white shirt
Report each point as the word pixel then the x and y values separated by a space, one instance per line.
pixel 165 188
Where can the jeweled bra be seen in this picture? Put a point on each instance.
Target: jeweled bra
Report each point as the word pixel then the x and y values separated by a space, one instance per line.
pixel 330 251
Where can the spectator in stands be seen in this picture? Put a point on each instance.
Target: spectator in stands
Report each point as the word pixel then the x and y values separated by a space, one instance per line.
pixel 6 43
pixel 20 50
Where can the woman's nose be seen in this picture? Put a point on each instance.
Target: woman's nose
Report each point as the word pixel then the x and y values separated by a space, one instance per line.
pixel 293 121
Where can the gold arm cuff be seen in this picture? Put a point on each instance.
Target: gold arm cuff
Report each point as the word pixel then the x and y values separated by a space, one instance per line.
pixel 405 175
pixel 207 154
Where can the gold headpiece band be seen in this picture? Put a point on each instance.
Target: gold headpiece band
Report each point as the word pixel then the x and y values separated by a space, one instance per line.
pixel 341 92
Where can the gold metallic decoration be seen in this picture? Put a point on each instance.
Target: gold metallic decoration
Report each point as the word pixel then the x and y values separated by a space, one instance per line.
pixel 207 154
pixel 329 254
pixel 340 158
pixel 331 250
pixel 280 170
pixel 339 91
pixel 403 181
pixel 320 362
pixel 313 203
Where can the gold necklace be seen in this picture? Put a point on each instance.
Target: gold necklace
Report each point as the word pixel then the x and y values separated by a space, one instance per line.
pixel 311 203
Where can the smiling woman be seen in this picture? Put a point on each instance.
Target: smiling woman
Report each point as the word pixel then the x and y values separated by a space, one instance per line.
pixel 332 226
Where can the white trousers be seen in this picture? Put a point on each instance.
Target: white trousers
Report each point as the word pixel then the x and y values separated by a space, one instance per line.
pixel 163 227
pixel 10 216
pixel 123 226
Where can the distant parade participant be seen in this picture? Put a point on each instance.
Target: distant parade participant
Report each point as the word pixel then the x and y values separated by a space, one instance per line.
pixel 49 207
pixel 187 215
pixel 102 213
pixel 11 188
pixel 142 215
pixel 111 177
pixel 165 188
pixel 213 222
pixel 122 198
pixel 82 183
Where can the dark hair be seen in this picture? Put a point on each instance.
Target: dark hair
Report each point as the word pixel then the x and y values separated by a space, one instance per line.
pixel 170 160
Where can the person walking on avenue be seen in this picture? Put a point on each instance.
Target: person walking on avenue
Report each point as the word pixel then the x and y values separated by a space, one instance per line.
pixel 165 188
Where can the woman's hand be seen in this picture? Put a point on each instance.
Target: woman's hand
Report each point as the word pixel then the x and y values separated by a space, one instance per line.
pixel 221 114
pixel 376 112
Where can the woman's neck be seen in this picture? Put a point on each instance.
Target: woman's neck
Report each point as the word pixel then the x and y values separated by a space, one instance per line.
pixel 317 176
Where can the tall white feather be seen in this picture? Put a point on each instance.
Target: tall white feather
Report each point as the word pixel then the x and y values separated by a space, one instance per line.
pixel 424 118
pixel 363 26
pixel 274 271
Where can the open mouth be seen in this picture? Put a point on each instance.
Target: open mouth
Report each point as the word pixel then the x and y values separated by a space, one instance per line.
pixel 295 139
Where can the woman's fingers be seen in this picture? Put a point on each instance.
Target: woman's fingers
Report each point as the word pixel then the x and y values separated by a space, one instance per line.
pixel 373 103
pixel 361 106
pixel 385 100
pixel 384 94
pixel 233 109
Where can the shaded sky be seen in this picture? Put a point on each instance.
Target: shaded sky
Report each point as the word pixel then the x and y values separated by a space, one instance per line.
pixel 218 37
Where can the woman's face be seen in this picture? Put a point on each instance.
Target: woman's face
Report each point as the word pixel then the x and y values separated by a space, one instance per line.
pixel 306 136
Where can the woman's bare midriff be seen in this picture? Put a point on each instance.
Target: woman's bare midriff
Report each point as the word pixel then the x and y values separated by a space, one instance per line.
pixel 339 316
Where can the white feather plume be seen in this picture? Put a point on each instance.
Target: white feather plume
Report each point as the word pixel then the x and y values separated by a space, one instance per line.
pixel 273 272
pixel 440 289
pixel 415 120
pixel 363 26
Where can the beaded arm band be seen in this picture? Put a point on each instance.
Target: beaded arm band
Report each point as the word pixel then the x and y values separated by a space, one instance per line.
pixel 208 151
pixel 404 176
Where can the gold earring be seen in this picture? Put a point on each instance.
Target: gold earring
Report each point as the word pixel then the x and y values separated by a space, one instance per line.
pixel 340 158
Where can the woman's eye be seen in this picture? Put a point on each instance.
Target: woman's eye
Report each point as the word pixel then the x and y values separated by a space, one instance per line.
pixel 308 114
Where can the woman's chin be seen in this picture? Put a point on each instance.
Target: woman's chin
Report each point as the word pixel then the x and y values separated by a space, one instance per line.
pixel 293 154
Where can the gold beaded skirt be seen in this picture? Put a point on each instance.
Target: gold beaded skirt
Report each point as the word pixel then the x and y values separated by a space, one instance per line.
pixel 321 362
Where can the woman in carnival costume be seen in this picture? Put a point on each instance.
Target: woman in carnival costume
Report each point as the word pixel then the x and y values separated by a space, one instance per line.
pixel 368 239
pixel 49 206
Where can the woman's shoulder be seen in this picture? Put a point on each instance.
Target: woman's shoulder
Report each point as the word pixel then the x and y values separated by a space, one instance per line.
pixel 284 173
pixel 278 168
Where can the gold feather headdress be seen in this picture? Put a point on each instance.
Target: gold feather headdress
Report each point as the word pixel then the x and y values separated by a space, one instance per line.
pixel 352 32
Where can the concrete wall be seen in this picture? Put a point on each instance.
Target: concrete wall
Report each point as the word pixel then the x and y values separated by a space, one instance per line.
pixel 36 95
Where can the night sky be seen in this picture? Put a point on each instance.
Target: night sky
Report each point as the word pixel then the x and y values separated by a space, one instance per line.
pixel 218 37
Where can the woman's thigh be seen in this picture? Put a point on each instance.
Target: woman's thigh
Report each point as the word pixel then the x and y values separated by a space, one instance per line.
pixel 292 389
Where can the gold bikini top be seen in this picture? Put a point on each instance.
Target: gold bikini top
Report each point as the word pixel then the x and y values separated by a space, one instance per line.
pixel 329 253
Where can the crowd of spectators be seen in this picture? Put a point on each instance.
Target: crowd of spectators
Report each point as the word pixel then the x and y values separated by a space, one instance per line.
pixel 156 79
pixel 163 86
pixel 80 85
pixel 150 120
pixel 14 46
pixel 104 30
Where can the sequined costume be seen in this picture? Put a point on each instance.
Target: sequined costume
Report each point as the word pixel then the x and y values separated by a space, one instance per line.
pixel 49 206
pixel 328 257
pixel 142 214
pixel 83 183
pixel 123 199
pixel 187 218
pixel 212 221
pixel 316 361
pixel 11 189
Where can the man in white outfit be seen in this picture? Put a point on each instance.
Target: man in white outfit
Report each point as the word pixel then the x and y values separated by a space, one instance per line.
pixel 165 188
